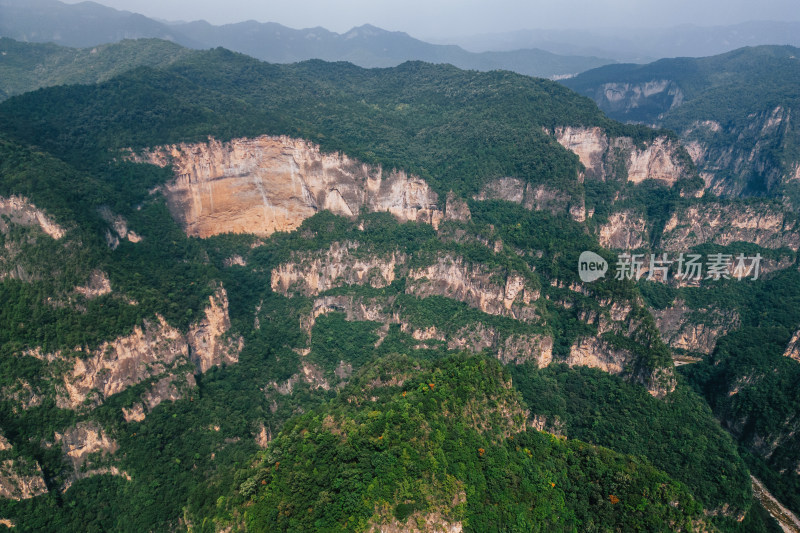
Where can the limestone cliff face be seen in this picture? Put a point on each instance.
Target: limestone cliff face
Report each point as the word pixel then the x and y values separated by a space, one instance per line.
pixel 118 229
pixel 152 350
pixel 18 210
pixel 517 349
pixel 594 352
pixel 270 184
pixel 87 447
pixel 657 160
pixel 693 330
pixel 533 197
pixel 627 97
pixel 793 348
pixel 738 159
pixel 21 479
pixel 476 286
pixel 342 264
pixel 625 230
pixel 717 223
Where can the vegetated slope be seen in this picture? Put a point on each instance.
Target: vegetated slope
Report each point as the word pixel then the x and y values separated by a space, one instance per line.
pixel 733 111
pixel 410 443
pixel 28 66
pixel 497 274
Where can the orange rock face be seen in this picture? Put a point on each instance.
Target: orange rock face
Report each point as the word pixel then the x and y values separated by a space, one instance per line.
pixel 270 184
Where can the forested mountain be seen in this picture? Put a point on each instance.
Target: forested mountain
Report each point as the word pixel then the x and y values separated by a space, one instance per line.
pixel 240 295
pixel 733 112
pixel 88 24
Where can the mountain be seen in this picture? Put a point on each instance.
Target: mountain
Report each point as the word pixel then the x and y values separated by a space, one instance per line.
pixel 733 111
pixel 241 295
pixel 84 24
pixel 28 66
pixel 642 45
pixel 88 24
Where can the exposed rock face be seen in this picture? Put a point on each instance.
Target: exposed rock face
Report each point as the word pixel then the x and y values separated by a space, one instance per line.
pixel 624 230
pixel 693 330
pixel 457 209
pixel 20 211
pixel 793 348
pixel 151 350
pixel 516 349
pixel 21 479
pixel 341 264
pixel 270 184
pixel 519 349
pixel 627 97
pixel 118 229
pixel 169 388
pixel 475 285
pixel 596 353
pixel 534 197
pixel 208 338
pixel 739 159
pixel 85 446
pixel 764 225
pixel 97 285
pixel 658 160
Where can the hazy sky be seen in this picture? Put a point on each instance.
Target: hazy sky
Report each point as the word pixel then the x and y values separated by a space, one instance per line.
pixel 431 18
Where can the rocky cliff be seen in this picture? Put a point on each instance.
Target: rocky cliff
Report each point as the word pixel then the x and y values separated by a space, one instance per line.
pixel 763 224
pixel 534 197
pixel 270 184
pixel 660 159
pixel 342 264
pixel 476 285
pixel 625 230
pixel 18 210
pixel 21 479
pixel 693 330
pixel 85 378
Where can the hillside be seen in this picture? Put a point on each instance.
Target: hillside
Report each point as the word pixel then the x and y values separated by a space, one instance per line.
pixel 219 261
pixel 732 111
pixel 29 66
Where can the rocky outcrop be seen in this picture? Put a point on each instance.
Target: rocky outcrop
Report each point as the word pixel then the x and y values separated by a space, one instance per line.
pixel 21 479
pixel 739 158
pixel 659 159
pixel 595 352
pixel 625 230
pixel 457 209
pixel 520 349
pixel 793 348
pixel 97 285
pixel 342 264
pixel 154 349
pixel 533 197
pixel 171 388
pixel 616 97
pixel 763 224
pixel 87 448
pixel 268 184
pixel 18 210
pixel 693 330
pixel 493 292
pixel 118 229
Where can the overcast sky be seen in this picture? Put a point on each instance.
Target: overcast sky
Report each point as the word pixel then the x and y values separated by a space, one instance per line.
pixel 442 18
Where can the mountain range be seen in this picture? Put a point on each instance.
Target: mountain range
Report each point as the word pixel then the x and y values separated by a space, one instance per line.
pixel 88 24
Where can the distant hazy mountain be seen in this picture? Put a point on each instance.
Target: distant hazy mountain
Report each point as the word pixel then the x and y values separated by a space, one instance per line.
pixel 735 111
pixel 89 24
pixel 81 25
pixel 641 45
